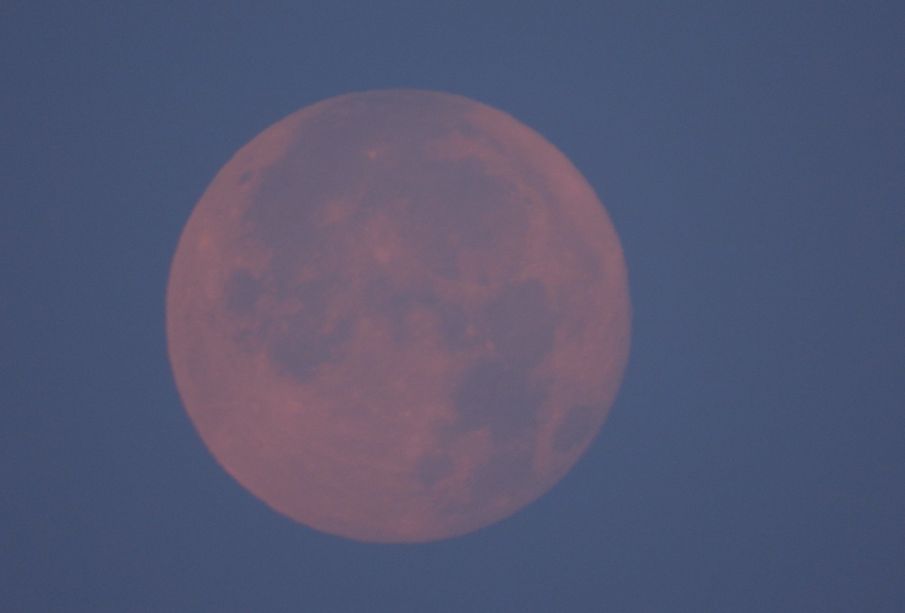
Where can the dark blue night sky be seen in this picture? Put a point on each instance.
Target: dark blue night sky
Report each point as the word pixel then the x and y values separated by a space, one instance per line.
pixel 753 161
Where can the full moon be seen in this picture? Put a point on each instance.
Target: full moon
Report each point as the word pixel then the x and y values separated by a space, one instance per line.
pixel 398 316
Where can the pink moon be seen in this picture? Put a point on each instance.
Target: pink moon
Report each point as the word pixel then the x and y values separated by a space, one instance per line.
pixel 398 316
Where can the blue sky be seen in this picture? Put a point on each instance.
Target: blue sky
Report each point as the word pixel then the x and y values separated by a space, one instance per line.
pixel 751 158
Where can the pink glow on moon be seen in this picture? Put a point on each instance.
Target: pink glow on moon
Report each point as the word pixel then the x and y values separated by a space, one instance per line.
pixel 398 316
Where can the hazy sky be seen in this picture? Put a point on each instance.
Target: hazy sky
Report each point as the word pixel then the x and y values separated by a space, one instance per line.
pixel 753 162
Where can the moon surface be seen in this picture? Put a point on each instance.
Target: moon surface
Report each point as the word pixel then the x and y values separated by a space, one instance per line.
pixel 398 316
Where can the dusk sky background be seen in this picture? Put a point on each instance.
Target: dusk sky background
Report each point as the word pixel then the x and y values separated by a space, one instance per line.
pixel 752 158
